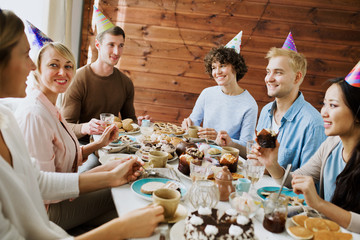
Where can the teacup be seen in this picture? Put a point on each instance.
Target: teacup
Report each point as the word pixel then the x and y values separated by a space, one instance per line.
pixel 242 185
pixel 193 131
pixel 233 151
pixel 167 198
pixel 158 159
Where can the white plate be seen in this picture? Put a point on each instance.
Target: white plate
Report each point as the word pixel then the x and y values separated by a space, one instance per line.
pixel 139 154
pixel 289 223
pixel 177 231
pixel 111 157
pixel 136 187
pixel 134 132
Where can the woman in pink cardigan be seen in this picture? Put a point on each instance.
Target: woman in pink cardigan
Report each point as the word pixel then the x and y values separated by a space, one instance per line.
pixel 53 144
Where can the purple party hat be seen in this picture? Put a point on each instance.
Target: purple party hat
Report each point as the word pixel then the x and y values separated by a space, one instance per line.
pixel 39 38
pixel 289 43
pixel 353 78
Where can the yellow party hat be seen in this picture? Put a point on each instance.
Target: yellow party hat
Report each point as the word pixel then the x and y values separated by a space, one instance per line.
pixel 102 23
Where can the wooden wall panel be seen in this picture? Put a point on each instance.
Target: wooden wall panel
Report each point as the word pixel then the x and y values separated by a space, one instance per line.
pixel 167 40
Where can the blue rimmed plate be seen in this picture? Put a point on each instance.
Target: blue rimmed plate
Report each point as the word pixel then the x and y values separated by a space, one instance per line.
pixel 136 187
pixel 285 191
pixel 118 143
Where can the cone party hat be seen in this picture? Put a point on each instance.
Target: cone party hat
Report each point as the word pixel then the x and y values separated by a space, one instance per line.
pixel 38 37
pixel 102 23
pixel 353 78
pixel 235 43
pixel 289 43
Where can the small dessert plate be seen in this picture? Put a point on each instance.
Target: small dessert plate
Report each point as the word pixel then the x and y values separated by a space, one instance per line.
pixel 180 214
pixel 217 147
pixel 285 191
pixel 112 157
pixel 136 187
pixel 140 155
pixel 117 143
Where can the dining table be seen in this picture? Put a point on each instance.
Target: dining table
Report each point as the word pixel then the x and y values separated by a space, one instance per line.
pixel 126 200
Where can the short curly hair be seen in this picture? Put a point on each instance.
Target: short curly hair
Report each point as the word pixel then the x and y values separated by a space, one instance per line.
pixel 226 56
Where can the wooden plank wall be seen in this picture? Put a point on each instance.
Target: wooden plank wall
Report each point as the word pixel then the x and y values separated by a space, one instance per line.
pixel 166 42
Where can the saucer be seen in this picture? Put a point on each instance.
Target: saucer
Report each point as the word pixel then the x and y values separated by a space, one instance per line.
pixel 180 214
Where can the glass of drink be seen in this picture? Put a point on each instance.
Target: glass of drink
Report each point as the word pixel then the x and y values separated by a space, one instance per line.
pixel 199 170
pixel 146 129
pixel 254 170
pixel 249 145
pixel 107 118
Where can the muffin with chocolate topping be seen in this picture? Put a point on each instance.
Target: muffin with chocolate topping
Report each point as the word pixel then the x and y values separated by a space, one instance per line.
pixel 266 138
pixel 191 155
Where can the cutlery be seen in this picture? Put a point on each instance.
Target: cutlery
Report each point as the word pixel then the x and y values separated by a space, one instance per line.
pixel 287 171
pixel 151 173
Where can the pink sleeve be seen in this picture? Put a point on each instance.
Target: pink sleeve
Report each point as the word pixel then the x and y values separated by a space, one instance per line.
pixel 39 137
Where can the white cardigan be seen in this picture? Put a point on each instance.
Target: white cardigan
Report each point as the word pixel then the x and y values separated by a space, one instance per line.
pixel 23 188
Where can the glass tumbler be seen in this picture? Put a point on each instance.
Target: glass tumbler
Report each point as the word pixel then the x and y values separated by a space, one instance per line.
pixel 202 193
pixel 107 118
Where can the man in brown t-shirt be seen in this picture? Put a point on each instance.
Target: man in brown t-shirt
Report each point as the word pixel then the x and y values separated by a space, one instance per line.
pixel 99 87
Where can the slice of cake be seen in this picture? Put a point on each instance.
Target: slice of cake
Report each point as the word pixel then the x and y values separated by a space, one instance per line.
pixel 206 223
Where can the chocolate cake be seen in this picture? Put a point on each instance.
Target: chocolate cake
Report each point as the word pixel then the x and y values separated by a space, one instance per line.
pixel 266 138
pixel 207 223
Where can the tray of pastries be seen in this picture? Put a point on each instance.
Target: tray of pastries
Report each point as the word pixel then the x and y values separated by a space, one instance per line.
pixel 168 128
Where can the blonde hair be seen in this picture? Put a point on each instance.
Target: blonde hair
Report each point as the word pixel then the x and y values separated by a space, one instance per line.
pixel 297 60
pixel 58 47
pixel 11 31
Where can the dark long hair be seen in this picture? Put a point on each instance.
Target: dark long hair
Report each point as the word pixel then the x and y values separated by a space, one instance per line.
pixel 347 194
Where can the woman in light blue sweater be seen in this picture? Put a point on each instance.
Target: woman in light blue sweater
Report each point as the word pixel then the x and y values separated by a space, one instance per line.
pixel 227 106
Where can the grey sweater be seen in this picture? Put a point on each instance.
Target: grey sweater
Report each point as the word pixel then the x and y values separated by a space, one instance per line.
pixel 315 168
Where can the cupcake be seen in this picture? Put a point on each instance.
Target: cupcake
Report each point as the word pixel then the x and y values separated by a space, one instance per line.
pixel 230 161
pixel 266 138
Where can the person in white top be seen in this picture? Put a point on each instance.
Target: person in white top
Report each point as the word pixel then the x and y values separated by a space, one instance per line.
pixel 23 187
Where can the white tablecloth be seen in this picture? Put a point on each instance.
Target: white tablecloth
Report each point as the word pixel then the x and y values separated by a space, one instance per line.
pixel 125 200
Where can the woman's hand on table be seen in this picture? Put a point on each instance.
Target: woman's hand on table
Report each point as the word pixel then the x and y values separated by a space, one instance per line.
pixel 141 222
pixel 207 133
pixel 93 127
pixel 305 185
pixel 223 138
pixel 110 134
pixel 186 123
